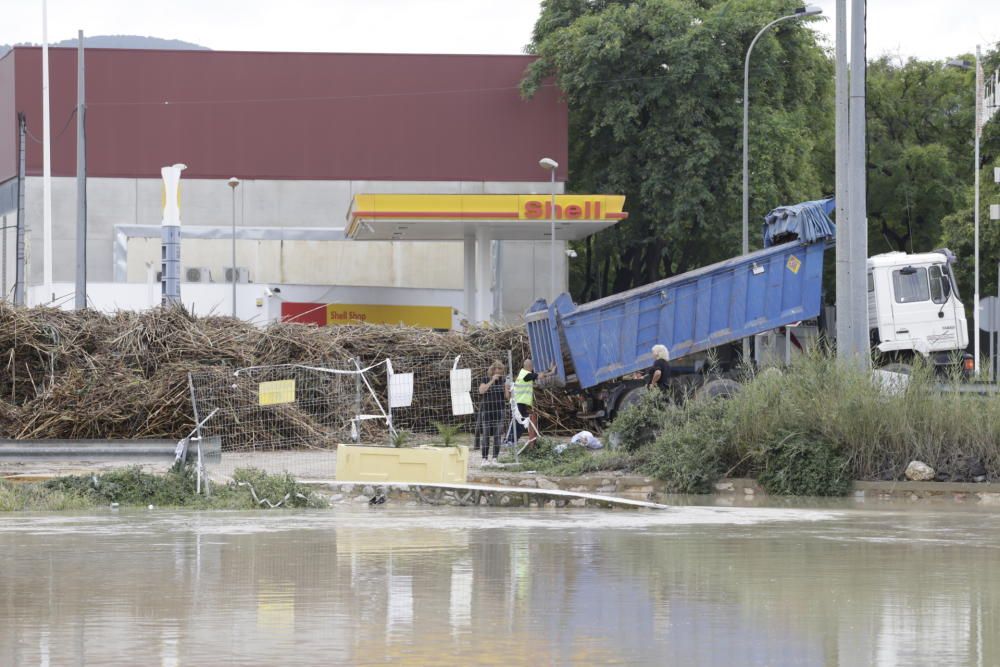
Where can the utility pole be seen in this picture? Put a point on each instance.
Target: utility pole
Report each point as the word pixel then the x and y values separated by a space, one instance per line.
pixel 81 180
pixel 233 184
pixel 843 295
pixel 22 125
pixel 978 128
pixel 46 164
pixel 860 349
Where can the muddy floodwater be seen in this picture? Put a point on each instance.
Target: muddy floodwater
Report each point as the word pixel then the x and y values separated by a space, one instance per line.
pixel 694 585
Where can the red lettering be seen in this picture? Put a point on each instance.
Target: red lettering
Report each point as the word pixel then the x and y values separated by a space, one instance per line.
pixel 532 209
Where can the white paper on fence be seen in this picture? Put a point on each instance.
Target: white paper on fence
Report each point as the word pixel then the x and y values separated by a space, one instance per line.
pixel 400 390
pixel 461 385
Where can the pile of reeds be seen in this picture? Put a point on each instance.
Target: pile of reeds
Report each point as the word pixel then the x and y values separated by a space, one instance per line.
pixel 87 375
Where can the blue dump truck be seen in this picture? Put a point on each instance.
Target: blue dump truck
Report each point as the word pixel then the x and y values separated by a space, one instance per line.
pixel 597 348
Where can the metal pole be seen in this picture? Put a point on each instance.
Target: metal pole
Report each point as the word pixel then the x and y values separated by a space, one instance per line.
pixel 233 183
pixel 233 273
pixel 19 245
pixel 746 146
pixel 975 207
pixel 498 282
pixel 46 164
pixel 4 251
pixel 843 265
pixel 858 217
pixel 81 180
pixel 552 238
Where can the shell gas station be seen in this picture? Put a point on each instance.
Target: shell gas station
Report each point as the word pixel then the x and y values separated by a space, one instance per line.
pixel 481 223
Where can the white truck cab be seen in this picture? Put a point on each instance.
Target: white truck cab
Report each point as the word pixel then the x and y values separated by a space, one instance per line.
pixel 914 305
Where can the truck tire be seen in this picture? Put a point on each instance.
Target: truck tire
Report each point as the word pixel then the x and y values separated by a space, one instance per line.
pixel 720 388
pixel 629 398
pixel 902 369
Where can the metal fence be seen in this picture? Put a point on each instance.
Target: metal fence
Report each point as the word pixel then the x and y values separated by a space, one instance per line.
pixel 292 417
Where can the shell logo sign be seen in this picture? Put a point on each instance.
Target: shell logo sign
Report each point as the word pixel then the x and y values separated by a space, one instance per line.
pixel 485 207
pixel 326 314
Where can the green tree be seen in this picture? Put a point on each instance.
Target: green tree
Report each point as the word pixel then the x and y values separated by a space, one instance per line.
pixel 655 91
pixel 957 230
pixel 919 128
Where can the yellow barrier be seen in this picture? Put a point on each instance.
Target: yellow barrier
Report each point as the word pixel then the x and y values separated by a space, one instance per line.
pixel 356 463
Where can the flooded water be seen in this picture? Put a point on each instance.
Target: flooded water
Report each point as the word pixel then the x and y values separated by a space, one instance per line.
pixel 444 586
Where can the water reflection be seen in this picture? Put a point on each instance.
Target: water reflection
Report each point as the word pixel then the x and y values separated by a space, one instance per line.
pixel 695 586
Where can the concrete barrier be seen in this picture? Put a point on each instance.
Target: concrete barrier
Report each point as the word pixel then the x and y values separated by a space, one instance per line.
pixel 358 463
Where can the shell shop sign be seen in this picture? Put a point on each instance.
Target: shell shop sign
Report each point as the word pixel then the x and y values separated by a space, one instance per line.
pixel 327 314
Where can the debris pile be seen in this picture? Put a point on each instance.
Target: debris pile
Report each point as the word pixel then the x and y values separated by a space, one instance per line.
pixel 87 375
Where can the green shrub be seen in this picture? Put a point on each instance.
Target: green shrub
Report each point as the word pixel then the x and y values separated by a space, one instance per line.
pixel 260 489
pixel 399 438
pixel 177 488
pixel 691 452
pixel 639 425
pixel 132 486
pixel 448 432
pixel 37 498
pixel 803 464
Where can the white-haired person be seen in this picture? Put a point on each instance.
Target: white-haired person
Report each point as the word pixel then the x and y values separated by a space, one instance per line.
pixel 659 373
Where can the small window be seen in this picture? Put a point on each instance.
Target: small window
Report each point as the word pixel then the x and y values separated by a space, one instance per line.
pixel 910 285
pixel 871 282
pixel 939 285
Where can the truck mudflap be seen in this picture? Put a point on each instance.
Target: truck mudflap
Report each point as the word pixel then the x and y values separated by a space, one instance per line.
pixel 544 339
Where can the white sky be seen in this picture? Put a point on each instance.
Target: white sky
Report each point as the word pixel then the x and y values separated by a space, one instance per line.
pixel 921 28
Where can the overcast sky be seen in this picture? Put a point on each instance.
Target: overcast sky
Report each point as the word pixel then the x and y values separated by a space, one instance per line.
pixel 920 28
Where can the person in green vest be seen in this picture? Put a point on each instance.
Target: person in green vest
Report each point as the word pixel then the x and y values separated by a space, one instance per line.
pixel 524 397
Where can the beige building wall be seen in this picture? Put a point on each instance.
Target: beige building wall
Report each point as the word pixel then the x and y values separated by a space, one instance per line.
pixel 114 203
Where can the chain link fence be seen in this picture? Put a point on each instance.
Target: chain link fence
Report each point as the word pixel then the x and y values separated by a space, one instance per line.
pixel 292 417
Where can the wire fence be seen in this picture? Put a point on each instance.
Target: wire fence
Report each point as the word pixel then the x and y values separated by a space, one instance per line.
pixel 292 417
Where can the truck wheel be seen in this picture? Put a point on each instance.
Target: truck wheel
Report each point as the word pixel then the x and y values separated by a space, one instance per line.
pixel 721 388
pixel 902 369
pixel 629 398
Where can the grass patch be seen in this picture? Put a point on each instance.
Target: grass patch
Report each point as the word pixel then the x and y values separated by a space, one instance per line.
pixel 573 461
pixel 803 464
pixel 132 487
pixel 811 428
pixel 691 452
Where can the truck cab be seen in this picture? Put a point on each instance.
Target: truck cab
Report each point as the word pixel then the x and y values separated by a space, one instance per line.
pixel 914 306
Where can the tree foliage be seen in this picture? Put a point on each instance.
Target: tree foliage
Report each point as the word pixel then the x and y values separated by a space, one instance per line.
pixel 655 92
pixel 655 87
pixel 919 131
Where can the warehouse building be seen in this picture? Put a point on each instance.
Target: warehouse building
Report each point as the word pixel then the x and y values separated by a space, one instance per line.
pixel 308 136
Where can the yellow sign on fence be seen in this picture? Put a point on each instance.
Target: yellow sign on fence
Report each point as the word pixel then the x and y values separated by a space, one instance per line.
pixel 276 392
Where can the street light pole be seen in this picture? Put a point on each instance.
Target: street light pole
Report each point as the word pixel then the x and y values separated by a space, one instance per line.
pixel 801 12
pixel 975 207
pixel 977 128
pixel 551 165
pixel 233 184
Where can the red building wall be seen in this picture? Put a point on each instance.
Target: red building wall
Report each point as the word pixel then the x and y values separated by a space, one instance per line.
pixel 290 115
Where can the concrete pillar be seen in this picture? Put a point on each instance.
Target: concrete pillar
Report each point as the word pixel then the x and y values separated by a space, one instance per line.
pixel 484 276
pixel 469 278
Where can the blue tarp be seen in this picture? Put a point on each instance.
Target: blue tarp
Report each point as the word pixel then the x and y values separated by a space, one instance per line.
pixel 808 221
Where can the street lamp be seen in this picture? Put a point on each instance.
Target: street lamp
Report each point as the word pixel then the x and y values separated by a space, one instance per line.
pixel 551 165
pixel 801 12
pixel 977 133
pixel 233 184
